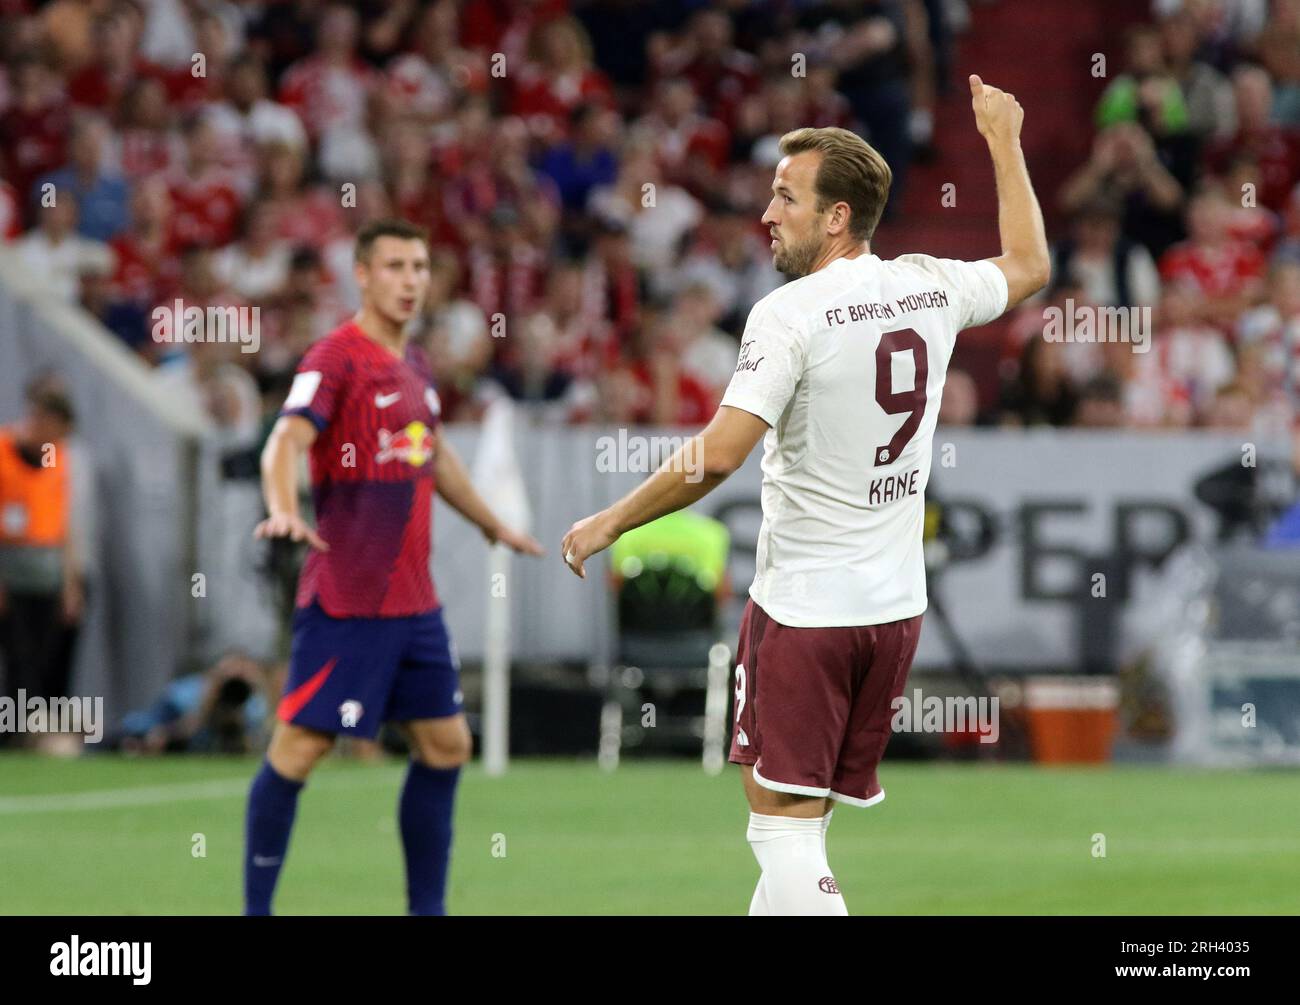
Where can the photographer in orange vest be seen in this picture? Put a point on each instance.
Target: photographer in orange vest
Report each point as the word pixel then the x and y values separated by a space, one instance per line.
pixel 41 589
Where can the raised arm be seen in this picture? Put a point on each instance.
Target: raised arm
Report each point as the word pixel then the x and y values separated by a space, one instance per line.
pixel 1024 259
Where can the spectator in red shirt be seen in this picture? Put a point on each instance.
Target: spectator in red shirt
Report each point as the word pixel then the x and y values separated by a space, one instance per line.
pixel 501 178
pixel 199 81
pixel 506 26
pixel 329 88
pixel 1229 274
pixel 205 196
pixel 507 272
pixel 11 214
pixel 693 149
pixel 103 83
pixel 33 130
pixel 557 79
pixel 147 269
pixel 303 215
pixel 613 284
pixel 424 83
pixel 416 189
pixel 669 394
pixel 720 74
pixel 1250 222
pixel 149 143
pixel 1276 148
pixel 583 336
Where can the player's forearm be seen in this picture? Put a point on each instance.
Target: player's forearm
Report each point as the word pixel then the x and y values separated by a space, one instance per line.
pixel 1024 259
pixel 280 475
pixel 457 490
pixel 680 481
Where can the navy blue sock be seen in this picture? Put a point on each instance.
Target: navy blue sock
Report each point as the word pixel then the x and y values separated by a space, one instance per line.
pixel 272 802
pixel 424 812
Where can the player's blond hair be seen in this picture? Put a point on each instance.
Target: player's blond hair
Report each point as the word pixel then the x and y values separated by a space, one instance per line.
pixel 851 171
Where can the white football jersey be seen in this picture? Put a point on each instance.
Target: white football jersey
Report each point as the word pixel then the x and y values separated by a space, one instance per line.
pixel 847 365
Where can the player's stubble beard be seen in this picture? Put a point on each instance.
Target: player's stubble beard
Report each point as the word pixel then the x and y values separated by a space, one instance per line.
pixel 795 259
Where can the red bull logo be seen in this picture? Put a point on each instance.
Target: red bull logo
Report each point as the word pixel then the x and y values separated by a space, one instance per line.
pixel 413 443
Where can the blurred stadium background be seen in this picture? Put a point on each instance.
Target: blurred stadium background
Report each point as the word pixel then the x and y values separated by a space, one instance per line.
pixel 1113 535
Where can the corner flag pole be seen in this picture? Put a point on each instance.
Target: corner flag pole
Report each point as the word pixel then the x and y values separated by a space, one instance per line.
pixel 499 480
pixel 496 669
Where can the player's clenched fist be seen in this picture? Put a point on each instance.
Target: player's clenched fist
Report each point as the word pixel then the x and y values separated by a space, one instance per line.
pixel 998 115
pixel 291 526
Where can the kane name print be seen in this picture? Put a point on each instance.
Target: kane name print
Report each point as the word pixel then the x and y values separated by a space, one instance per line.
pixel 892 487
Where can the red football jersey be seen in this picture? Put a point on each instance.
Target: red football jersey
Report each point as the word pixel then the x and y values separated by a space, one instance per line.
pixel 371 477
pixel 205 210
pixel 1217 272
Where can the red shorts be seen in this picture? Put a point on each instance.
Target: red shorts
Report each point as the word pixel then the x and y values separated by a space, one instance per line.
pixel 813 705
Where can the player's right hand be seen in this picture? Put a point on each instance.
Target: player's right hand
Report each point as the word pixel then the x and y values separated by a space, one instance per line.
pixel 291 526
pixel 586 538
pixel 998 114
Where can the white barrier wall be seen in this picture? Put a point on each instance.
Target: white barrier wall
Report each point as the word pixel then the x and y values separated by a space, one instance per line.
pixel 158 512
pixel 1058 500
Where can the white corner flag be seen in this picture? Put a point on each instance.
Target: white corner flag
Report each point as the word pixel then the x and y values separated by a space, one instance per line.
pixel 498 479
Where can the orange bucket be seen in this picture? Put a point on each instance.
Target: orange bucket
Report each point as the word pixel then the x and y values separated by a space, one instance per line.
pixel 1072 720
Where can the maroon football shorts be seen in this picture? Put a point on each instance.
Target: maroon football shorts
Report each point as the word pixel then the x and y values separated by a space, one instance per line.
pixel 813 705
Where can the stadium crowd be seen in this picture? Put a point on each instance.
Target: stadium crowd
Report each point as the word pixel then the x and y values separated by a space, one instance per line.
pixel 1187 206
pixel 600 210
pixel 593 175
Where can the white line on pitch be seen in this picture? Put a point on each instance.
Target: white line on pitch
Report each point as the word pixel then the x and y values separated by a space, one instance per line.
pixel 153 795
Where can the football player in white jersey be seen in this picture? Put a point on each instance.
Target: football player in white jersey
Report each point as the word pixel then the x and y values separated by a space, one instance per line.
pixel 840 373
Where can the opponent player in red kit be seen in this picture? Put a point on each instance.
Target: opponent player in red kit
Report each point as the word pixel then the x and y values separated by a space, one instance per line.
pixel 840 373
pixel 369 642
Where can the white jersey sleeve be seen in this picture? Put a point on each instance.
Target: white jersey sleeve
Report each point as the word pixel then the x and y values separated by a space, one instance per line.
pixel 979 288
pixel 770 364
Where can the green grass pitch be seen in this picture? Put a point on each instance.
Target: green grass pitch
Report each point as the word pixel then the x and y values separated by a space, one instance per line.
pixel 106 835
